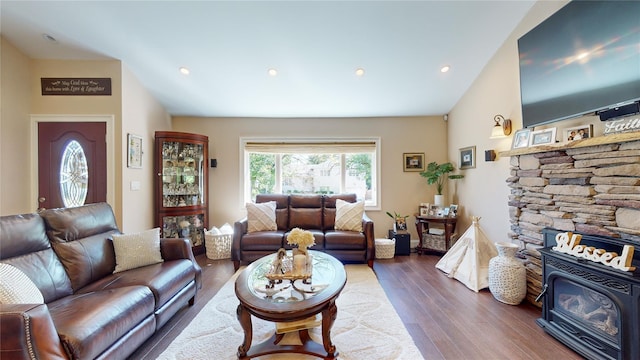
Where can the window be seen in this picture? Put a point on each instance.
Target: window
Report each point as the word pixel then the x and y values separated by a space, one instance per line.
pixel 311 166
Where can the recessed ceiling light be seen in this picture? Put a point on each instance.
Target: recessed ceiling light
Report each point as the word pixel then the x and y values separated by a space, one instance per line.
pixel 359 72
pixel 445 68
pixel 272 72
pixel 49 38
pixel 184 71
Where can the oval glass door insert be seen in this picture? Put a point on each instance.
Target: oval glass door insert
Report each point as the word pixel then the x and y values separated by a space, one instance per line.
pixel 73 175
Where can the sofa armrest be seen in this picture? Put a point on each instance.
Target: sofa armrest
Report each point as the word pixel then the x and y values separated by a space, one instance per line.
pixel 369 235
pixel 27 332
pixel 239 230
pixel 178 248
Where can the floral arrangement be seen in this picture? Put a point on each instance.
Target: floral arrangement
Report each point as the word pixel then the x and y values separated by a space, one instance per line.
pixel 302 238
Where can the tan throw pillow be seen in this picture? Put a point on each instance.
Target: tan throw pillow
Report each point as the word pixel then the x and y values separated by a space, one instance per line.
pixel 261 216
pixel 137 249
pixel 17 288
pixel 349 215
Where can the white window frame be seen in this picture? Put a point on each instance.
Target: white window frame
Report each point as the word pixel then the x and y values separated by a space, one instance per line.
pixel 376 183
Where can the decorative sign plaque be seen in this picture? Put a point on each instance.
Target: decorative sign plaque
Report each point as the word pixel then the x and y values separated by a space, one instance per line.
pixel 569 243
pixel 622 125
pixel 76 86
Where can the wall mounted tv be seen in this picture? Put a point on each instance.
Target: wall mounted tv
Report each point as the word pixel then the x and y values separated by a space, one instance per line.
pixel 583 59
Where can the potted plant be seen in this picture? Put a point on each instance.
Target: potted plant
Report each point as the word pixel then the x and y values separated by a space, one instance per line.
pixel 436 174
pixel 400 221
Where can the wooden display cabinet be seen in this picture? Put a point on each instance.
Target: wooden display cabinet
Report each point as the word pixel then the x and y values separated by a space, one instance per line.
pixel 181 195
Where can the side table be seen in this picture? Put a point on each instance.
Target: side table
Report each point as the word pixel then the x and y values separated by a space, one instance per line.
pixel 422 225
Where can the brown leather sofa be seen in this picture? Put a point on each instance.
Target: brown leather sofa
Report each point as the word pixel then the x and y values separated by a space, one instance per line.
pixel 315 213
pixel 89 312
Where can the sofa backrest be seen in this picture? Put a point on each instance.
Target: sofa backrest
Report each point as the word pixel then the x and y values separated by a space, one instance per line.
pixel 282 208
pixel 81 237
pixel 305 211
pixel 329 210
pixel 24 244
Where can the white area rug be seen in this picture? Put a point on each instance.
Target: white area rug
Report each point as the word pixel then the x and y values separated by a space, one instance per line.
pixel 367 326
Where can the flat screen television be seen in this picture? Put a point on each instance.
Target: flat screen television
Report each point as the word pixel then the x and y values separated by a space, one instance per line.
pixel 583 59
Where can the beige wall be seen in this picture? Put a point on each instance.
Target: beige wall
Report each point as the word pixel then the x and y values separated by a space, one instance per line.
pixel 401 191
pixel 132 107
pixel 484 192
pixel 142 115
pixel 14 131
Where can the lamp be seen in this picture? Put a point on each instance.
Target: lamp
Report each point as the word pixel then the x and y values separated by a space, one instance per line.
pixel 499 130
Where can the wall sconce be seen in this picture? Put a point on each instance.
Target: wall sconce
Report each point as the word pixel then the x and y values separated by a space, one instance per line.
pixel 489 155
pixel 500 130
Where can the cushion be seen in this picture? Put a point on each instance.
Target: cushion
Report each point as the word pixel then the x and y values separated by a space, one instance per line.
pixel 137 249
pixel 261 217
pixel 349 215
pixel 17 288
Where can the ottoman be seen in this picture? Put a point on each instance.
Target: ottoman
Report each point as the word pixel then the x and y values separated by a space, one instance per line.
pixel 385 248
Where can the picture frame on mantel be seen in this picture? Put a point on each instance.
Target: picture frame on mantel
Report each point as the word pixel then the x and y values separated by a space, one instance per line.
pixel 578 132
pixel 521 139
pixel 413 161
pixel 543 137
pixel 468 157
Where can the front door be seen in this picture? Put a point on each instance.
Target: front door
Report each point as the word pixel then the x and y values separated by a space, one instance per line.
pixel 72 163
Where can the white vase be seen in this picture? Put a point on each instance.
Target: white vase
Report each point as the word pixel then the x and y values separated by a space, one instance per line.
pixel 438 200
pixel 507 275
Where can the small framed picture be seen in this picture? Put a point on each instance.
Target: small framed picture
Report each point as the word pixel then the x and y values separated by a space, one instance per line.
pixel 134 151
pixel 413 161
pixel 433 210
pixel 543 137
pixel 424 211
pixel 521 139
pixel 578 133
pixel 453 209
pixel 468 157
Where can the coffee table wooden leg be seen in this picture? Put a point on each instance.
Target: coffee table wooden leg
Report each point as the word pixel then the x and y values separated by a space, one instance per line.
pixel 329 315
pixel 245 321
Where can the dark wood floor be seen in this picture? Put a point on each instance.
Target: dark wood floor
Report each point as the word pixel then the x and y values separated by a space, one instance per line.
pixel 445 319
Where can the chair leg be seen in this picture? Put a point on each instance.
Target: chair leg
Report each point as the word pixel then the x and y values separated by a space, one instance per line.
pixel 236 265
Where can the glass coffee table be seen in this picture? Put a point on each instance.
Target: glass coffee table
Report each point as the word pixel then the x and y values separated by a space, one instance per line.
pixel 287 301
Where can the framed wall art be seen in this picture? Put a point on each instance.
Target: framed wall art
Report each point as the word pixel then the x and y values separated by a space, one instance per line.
pixel 578 132
pixel 413 161
pixel 468 157
pixel 543 137
pixel 521 139
pixel 134 151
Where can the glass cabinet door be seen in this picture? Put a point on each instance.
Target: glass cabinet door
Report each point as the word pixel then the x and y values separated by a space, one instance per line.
pixel 182 168
pixel 184 226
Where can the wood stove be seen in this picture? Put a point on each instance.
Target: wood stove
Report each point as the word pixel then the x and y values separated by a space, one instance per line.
pixel 590 307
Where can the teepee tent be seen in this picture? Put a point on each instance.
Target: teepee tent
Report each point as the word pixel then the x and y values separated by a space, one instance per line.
pixel 468 259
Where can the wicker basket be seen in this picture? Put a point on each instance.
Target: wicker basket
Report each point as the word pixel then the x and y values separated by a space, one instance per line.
pixel 218 246
pixel 385 248
pixel 438 242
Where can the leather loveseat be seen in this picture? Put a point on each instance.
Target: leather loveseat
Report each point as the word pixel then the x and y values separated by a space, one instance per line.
pixel 89 312
pixel 316 213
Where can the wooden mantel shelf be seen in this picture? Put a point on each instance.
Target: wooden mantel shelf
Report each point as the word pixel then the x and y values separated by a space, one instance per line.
pixel 594 141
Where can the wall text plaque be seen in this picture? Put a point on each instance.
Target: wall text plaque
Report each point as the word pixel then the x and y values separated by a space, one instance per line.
pixel 76 86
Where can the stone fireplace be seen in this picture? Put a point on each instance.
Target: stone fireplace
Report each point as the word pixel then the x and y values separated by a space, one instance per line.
pixel 589 186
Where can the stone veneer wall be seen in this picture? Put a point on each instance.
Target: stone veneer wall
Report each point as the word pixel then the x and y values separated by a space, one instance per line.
pixel 589 190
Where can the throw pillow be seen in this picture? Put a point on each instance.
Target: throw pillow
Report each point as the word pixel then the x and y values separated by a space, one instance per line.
pixel 261 216
pixel 17 288
pixel 137 249
pixel 349 215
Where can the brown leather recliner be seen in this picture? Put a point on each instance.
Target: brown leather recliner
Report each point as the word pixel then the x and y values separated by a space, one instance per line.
pixel 88 312
pixel 315 213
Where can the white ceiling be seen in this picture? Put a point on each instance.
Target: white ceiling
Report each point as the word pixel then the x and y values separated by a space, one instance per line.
pixel 316 46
